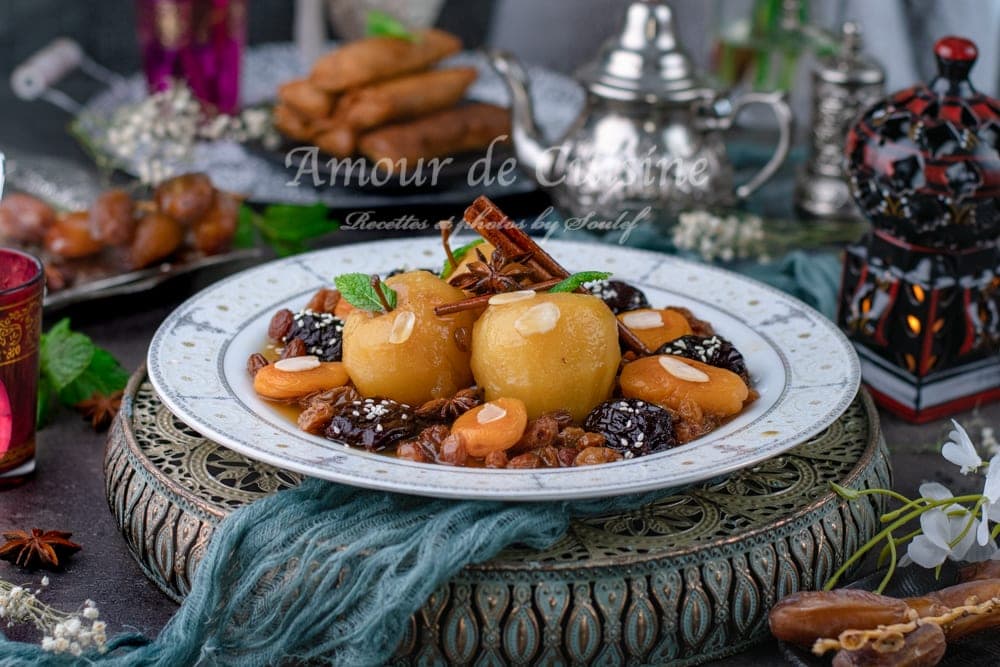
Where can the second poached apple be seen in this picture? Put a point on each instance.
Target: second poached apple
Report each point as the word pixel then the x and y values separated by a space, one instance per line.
pixel 552 351
pixel 409 354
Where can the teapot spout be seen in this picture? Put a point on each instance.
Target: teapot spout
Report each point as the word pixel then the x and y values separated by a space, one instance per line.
pixel 531 148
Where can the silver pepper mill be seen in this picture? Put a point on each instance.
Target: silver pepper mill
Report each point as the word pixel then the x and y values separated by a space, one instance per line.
pixel 843 85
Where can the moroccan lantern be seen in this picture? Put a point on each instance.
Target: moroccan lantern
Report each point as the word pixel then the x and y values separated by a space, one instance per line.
pixel 920 294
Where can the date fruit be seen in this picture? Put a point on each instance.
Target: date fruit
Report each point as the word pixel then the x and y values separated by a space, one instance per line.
pixel 156 237
pixel 924 647
pixel 802 618
pixel 185 198
pixel 70 237
pixel 112 219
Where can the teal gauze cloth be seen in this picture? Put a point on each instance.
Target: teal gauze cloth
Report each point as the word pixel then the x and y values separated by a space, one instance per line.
pixel 331 572
pixel 326 571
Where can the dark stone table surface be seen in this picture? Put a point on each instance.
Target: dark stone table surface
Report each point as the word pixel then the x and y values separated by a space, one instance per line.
pixel 67 493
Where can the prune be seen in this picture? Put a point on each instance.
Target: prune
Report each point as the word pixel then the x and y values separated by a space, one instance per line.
pixel 111 218
pixel 185 198
pixel 322 334
pixel 372 423
pixel 619 295
pixel 632 427
pixel 711 350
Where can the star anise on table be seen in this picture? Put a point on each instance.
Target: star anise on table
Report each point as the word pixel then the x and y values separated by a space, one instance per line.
pixel 100 409
pixel 499 274
pixel 449 409
pixel 38 548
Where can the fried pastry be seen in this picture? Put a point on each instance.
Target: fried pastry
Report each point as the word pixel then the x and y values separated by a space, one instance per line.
pixel 406 97
pixel 305 98
pixel 438 134
pixel 291 123
pixel 367 61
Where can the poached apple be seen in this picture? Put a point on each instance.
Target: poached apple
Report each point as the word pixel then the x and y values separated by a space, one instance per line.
pixel 409 354
pixel 552 351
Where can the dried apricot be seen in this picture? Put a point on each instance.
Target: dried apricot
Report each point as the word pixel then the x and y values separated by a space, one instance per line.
pixel 493 426
pixel 283 380
pixel 669 381
pixel 656 327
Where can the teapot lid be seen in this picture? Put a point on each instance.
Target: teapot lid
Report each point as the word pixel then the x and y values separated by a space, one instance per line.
pixel 645 61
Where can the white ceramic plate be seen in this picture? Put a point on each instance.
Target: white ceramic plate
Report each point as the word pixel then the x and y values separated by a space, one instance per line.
pixel 805 371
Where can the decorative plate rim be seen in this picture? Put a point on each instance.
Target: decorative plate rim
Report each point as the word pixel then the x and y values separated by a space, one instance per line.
pixel 335 462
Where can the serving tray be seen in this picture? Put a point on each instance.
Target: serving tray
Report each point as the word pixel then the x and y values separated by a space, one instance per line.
pixel 686 580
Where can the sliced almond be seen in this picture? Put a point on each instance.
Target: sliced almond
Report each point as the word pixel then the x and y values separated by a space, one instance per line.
pixel 297 364
pixel 511 297
pixel 643 319
pixel 538 319
pixel 681 370
pixel 402 327
pixel 491 412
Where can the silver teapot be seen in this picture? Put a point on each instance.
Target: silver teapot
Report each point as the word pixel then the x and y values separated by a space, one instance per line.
pixel 648 141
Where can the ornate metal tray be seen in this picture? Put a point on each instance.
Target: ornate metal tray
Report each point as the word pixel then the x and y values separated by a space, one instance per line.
pixel 686 580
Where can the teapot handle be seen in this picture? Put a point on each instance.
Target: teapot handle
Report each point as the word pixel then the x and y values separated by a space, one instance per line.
pixel 722 119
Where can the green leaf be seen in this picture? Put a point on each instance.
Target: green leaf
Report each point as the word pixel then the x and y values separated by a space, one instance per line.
pixel 103 376
pixel 380 24
pixel 285 227
pixel 577 280
pixel 64 355
pixel 246 231
pixel 46 399
pixel 357 289
pixel 459 254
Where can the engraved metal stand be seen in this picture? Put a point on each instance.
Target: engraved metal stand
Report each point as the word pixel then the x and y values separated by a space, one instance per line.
pixel 685 580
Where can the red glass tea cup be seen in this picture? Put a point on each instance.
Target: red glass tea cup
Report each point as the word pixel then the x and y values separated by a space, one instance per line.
pixel 22 286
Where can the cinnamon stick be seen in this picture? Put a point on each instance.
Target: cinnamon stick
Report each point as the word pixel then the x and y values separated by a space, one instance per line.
pixel 483 300
pixel 493 225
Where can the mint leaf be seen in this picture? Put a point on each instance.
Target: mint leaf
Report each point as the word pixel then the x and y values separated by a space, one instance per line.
pixel 46 399
pixel 284 227
pixel 357 289
pixel 246 231
pixel 103 376
pixel 64 355
pixel 577 280
pixel 459 254
pixel 380 24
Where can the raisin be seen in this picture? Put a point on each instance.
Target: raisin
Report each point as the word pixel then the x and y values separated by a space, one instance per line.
pixel 631 426
pixel 324 301
pixel 256 362
pixel 413 450
pixel 320 408
pixel 540 432
pixel 453 452
pixel 549 456
pixel 280 325
pixel 567 455
pixel 496 459
pixel 596 455
pixel 529 460
pixel 294 348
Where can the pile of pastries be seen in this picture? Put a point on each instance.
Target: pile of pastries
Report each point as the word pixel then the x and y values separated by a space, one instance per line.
pixel 383 97
pixel 482 364
pixel 186 216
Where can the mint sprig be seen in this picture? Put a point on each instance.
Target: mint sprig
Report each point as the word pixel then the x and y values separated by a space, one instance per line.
pixel 459 253
pixel 74 369
pixel 380 24
pixel 286 228
pixel 577 280
pixel 357 288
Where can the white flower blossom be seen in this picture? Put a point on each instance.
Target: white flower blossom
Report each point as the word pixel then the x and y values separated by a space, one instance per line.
pixel 960 450
pixel 933 547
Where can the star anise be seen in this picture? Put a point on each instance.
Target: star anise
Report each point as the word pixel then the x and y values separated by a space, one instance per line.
pixel 449 409
pixel 37 548
pixel 100 409
pixel 499 274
